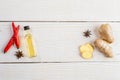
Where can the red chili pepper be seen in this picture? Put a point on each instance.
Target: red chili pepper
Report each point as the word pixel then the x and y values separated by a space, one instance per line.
pixel 14 38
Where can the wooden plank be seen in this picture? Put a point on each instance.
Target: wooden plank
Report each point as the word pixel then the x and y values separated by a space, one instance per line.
pixel 58 42
pixel 62 71
pixel 60 10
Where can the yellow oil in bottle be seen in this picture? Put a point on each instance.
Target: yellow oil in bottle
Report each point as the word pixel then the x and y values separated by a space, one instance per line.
pixel 29 42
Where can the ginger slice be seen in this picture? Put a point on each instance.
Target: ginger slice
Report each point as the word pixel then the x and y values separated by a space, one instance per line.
pixel 86 51
pixel 104 47
pixel 87 55
pixel 105 32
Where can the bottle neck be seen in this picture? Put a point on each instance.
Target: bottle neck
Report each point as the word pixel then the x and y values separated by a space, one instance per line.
pixel 27 32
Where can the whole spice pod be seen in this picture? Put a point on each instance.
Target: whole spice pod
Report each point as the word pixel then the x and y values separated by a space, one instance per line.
pixel 87 33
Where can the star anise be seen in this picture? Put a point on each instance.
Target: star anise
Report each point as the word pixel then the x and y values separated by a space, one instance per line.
pixel 87 33
pixel 19 54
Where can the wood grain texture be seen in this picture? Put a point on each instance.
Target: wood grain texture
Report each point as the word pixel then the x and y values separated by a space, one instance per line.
pixel 60 10
pixel 53 67
pixel 57 41
pixel 69 66
pixel 60 71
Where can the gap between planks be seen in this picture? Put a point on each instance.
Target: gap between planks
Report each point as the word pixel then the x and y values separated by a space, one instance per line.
pixel 60 62
pixel 57 21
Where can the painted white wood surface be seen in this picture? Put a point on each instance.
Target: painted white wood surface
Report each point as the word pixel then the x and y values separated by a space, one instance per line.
pixel 70 10
pixel 57 41
pixel 69 66
pixel 60 10
pixel 61 71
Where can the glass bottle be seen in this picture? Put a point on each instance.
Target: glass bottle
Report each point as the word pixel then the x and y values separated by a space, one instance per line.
pixel 29 42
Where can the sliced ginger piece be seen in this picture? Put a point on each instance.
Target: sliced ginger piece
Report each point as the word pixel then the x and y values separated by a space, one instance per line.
pixel 83 49
pixel 86 50
pixel 90 47
pixel 87 55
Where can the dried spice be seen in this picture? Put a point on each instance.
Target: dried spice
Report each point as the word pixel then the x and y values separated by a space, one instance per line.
pixel 19 54
pixel 14 39
pixel 87 33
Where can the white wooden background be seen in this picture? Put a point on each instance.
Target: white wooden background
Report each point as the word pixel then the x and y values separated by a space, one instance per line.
pixel 31 11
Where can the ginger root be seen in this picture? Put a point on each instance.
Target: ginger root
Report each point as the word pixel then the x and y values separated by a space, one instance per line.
pixel 104 47
pixel 105 32
pixel 106 37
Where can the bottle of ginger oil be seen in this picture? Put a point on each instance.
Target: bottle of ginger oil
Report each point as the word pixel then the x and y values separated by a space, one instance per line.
pixel 29 42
